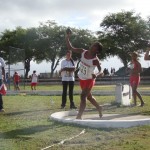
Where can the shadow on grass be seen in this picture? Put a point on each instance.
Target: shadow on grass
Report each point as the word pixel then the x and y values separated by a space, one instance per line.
pixel 22 133
pixel 23 112
pixel 146 113
pixel 25 131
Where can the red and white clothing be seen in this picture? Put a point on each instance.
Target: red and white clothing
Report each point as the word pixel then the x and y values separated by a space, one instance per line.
pixel 89 83
pixel 34 79
pixel 134 78
pixel 16 78
pixel 2 86
pixel 85 72
pixel 2 64
pixel 86 67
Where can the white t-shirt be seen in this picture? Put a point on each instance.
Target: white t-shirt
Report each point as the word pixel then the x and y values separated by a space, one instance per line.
pixel 34 78
pixel 86 67
pixel 67 75
pixel 2 64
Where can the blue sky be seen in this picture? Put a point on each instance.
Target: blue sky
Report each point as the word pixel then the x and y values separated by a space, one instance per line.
pixel 86 14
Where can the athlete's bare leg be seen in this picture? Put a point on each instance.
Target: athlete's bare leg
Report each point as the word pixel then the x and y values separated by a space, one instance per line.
pixel 84 94
pixel 137 94
pixel 94 102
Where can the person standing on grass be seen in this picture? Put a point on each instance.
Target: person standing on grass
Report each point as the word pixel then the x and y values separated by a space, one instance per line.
pixel 2 78
pixel 135 70
pixel 34 79
pixel 7 80
pixel 67 74
pixel 86 74
pixel 16 81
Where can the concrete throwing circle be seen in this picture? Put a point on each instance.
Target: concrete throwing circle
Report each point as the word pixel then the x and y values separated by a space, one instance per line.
pixel 107 121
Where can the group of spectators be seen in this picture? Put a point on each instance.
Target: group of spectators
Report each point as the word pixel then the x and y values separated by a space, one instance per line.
pixel 107 73
pixel 16 80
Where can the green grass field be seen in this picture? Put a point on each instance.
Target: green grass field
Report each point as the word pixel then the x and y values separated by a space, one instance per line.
pixel 76 87
pixel 26 126
pixel 59 87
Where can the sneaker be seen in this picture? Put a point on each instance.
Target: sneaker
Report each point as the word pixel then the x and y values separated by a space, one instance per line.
pixel 133 105
pixel 142 104
pixel 2 110
pixel 62 107
pixel 73 107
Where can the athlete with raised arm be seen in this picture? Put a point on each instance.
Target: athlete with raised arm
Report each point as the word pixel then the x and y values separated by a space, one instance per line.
pixel 86 74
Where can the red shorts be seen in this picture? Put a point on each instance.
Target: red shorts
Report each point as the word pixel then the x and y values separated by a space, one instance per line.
pixel 87 84
pixel 134 80
pixel 3 89
pixel 33 84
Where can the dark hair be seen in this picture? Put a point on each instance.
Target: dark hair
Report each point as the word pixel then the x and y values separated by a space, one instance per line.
pixel 69 51
pixel 99 46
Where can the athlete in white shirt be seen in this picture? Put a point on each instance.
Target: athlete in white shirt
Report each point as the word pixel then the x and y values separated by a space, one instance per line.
pixel 86 74
pixel 34 79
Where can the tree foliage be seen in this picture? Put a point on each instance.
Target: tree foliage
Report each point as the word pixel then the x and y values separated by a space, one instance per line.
pixel 12 42
pixel 51 45
pixel 123 33
pixel 46 42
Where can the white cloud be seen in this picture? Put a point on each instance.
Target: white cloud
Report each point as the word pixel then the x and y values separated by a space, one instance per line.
pixel 86 14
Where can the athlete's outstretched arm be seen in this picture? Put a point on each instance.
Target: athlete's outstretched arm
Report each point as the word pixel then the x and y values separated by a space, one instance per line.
pixel 70 47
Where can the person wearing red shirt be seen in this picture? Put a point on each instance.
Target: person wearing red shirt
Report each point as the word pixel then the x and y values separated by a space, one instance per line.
pixel 16 81
pixel 135 70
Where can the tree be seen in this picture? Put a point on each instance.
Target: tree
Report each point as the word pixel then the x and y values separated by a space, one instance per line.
pixel 81 38
pixel 47 42
pixel 20 39
pixel 122 33
pixel 51 45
